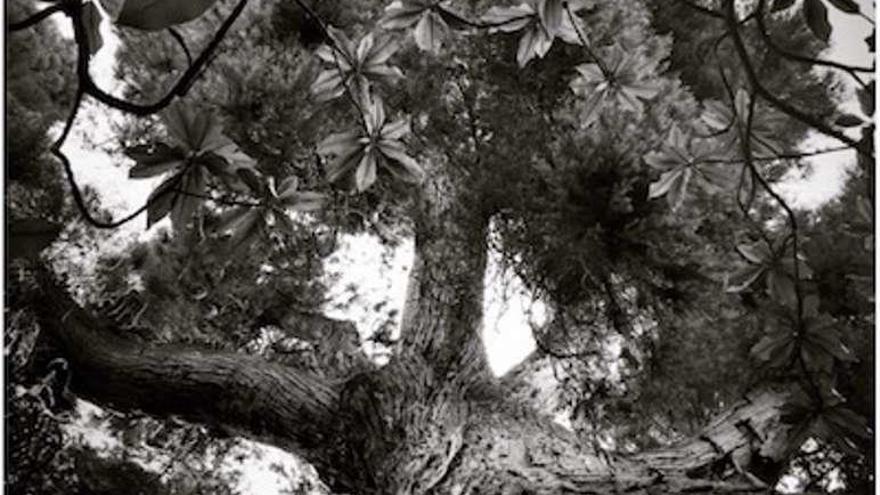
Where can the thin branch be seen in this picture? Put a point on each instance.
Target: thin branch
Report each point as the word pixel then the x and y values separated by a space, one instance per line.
pixel 779 156
pixel 337 52
pixel 75 189
pixel 182 42
pixel 180 88
pixel 583 39
pixel 36 18
pixel 782 105
pixel 765 34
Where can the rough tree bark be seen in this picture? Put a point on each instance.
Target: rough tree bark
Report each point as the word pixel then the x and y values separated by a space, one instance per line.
pixel 434 420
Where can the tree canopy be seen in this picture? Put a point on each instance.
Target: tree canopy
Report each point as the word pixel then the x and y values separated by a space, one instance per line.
pixel 624 160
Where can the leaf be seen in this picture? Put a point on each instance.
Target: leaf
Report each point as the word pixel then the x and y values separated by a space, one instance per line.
pixel 340 144
pixel 244 225
pixel 304 201
pixel 781 287
pixel 535 42
pixel 816 15
pixel 399 163
pixel 155 15
pixel 743 279
pixel 401 15
pixel 757 253
pixel 365 175
pixel 508 19
pixel 161 200
pixel 781 5
pixel 775 350
pixel 551 12
pixel 677 191
pixel 328 85
pixel 153 160
pixel 91 18
pixel 29 236
pixel 234 158
pixel 847 422
pixel 287 186
pixel 866 98
pixel 429 32
pixel 849 120
pixel 251 179
pixel 189 200
pixel 848 6
pixel 197 132
pixel 662 186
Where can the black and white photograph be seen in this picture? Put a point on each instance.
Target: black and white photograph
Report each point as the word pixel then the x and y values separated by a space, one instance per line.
pixel 439 247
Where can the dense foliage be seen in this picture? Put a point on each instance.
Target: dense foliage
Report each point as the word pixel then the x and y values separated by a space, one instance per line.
pixel 627 153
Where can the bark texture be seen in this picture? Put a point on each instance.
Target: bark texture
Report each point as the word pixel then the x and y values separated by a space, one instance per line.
pixel 432 421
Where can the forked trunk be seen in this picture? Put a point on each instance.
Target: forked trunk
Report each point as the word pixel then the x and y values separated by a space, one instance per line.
pixel 434 420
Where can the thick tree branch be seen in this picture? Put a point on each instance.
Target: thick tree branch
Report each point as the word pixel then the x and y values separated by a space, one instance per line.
pixel 442 317
pixel 245 394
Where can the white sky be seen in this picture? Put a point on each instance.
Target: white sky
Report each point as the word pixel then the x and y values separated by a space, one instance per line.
pixel 506 333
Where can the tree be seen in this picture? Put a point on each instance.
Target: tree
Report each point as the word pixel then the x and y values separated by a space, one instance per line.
pixel 558 133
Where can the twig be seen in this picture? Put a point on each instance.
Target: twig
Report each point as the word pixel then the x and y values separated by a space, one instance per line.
pixel 777 102
pixel 583 39
pixel 182 42
pixel 180 88
pixel 36 18
pixel 765 34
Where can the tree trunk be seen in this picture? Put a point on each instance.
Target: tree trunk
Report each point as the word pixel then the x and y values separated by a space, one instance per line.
pixel 434 420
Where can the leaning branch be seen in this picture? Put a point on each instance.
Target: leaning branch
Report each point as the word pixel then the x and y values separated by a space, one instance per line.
pixel 245 394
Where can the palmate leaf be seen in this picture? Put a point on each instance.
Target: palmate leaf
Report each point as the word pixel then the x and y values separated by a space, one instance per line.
pixel 541 23
pixel 357 156
pixel 245 224
pixel 201 149
pixel 729 122
pixel 683 158
pixel 775 265
pixel 195 131
pixel 430 27
pixel 624 85
pixel 355 66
